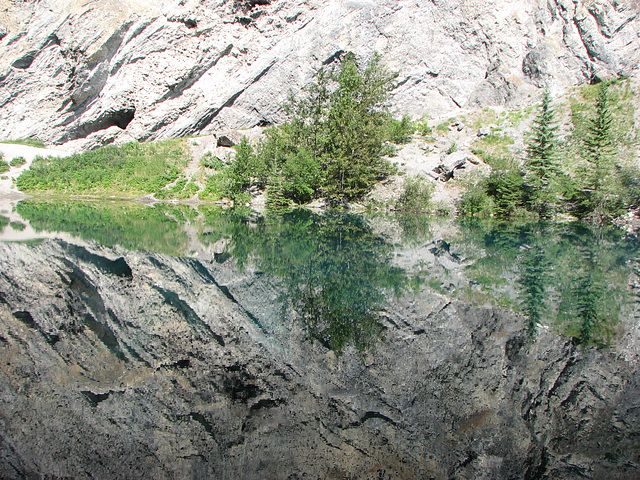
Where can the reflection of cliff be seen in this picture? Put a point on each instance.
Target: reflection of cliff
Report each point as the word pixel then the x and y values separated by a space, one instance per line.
pixel 148 366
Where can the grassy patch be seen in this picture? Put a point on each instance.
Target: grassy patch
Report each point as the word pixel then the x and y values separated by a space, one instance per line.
pixel 30 142
pixel 493 149
pixel 126 170
pixel 18 226
pixel 4 166
pixel 181 190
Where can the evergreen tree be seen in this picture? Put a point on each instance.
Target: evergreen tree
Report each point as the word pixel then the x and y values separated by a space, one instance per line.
pixel 541 158
pixel 599 152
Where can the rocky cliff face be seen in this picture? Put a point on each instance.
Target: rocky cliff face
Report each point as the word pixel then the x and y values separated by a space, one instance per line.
pixel 103 71
pixel 120 364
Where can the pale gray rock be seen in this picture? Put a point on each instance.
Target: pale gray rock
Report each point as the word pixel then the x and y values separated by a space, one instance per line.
pixel 149 70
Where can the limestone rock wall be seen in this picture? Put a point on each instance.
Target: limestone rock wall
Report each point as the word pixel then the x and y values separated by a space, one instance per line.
pixel 103 71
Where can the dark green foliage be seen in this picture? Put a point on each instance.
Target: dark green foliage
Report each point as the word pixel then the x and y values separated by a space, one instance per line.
pixel 505 187
pixel 4 221
pixel 600 193
pixel 244 170
pixel 277 201
pixel 301 176
pixel 333 144
pixel 17 162
pixel 126 170
pixel 475 201
pixel 541 160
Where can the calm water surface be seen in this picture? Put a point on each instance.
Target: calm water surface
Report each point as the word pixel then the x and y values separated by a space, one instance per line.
pixel 182 342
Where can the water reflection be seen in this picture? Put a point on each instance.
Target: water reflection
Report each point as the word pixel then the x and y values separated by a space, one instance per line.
pixel 338 273
pixel 335 269
pixel 571 276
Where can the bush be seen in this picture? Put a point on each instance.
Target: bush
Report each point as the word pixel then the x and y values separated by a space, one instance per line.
pixel 475 202
pixel 4 166
pixel 17 162
pixel 400 131
pixel 423 127
pixel 208 160
pixel 416 197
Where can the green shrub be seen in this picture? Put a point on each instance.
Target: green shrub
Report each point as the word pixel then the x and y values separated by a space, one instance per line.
pixel 452 148
pixel 208 160
pixel 4 166
pixel 416 197
pixel 475 202
pixel 301 177
pixel 400 131
pixel 18 226
pixel 423 127
pixel 17 162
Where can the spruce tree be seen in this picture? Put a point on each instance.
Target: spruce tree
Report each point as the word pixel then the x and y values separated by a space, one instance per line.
pixel 542 158
pixel 599 152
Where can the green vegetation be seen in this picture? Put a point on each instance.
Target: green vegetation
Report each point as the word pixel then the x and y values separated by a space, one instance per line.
pixel 182 189
pixel 571 276
pixel 208 160
pixel 18 226
pixel 4 221
pixel 30 142
pixel 128 170
pixel 541 161
pixel 17 162
pixel 133 226
pixel 416 197
pixel 332 147
pixel 4 166
pixel 590 174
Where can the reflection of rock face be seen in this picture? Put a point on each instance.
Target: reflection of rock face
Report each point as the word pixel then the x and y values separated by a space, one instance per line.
pixel 127 69
pixel 128 365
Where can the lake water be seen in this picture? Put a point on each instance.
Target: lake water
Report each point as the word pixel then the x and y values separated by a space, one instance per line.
pixel 182 342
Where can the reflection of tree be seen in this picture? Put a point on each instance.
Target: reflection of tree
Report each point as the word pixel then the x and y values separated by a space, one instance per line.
pixel 335 269
pixel 569 275
pixel 534 278
pixel 589 310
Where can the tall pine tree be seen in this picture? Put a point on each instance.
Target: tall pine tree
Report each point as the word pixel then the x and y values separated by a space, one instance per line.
pixel 541 159
pixel 599 152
